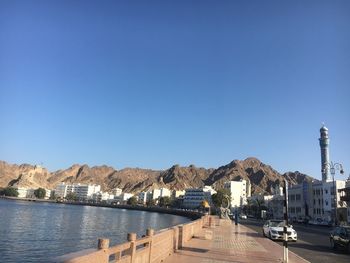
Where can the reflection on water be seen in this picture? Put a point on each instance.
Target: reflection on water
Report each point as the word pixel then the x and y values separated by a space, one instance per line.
pixel 36 232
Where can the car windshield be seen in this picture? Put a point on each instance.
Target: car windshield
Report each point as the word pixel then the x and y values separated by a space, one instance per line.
pixel 276 224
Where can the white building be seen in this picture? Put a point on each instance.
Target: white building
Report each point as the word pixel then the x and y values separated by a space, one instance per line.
pixel 176 194
pixel 22 192
pixel 240 191
pixel 314 199
pixel 61 190
pixel 47 194
pixel 82 191
pixel 117 191
pixel 29 193
pixel 123 197
pixel 102 196
pixel 162 192
pixel 143 197
pixel 194 196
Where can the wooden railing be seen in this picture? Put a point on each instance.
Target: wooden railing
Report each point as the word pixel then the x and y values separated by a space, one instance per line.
pixel 152 248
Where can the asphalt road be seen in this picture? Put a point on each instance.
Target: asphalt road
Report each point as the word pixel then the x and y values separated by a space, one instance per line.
pixel 312 244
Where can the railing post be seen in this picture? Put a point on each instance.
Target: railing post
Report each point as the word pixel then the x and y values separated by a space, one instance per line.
pixel 150 233
pixel 176 238
pixel 103 243
pixel 210 221
pixel 181 236
pixel 132 239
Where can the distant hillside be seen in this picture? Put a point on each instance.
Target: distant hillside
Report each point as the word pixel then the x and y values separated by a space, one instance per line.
pixel 262 177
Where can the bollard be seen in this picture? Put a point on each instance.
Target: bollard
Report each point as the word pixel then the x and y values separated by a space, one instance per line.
pixel 103 243
pixel 210 221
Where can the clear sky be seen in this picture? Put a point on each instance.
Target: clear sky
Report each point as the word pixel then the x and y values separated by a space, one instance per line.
pixel 155 83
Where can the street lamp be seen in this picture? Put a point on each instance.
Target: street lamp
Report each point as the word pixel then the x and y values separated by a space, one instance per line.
pixel 333 167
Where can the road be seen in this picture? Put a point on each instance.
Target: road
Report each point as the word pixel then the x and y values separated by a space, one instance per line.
pixel 312 244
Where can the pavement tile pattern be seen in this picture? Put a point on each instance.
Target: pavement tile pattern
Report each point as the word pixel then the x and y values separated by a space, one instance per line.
pixel 227 242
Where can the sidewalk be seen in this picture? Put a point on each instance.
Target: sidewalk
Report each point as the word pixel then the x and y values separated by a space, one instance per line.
pixel 227 242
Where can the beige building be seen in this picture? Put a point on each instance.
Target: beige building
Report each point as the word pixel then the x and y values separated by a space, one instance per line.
pixel 240 191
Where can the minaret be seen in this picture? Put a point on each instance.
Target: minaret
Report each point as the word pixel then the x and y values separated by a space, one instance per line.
pixel 324 142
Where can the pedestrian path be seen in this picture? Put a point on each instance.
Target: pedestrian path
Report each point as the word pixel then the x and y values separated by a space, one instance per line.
pixel 226 242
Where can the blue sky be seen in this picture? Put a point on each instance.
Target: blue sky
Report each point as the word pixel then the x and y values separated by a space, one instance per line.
pixel 155 83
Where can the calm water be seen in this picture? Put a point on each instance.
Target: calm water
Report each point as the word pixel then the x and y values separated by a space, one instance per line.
pixel 38 232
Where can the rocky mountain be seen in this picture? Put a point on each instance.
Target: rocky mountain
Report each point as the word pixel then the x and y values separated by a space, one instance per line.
pixel 262 177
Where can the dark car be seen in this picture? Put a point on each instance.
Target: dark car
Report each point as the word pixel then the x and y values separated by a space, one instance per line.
pixel 340 237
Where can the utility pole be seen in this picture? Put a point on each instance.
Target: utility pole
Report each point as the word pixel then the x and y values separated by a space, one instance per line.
pixel 285 212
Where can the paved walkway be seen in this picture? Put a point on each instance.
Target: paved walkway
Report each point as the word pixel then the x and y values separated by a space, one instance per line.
pixel 227 242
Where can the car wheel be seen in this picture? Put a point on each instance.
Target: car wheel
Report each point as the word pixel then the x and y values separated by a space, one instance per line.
pixel 264 233
pixel 270 235
pixel 333 245
pixel 349 248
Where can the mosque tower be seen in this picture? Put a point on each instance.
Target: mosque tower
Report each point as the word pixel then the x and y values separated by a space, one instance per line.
pixel 324 143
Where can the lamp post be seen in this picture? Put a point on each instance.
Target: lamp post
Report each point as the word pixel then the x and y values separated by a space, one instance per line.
pixel 333 167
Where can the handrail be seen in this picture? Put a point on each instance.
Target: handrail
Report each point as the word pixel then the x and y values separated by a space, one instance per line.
pixel 149 249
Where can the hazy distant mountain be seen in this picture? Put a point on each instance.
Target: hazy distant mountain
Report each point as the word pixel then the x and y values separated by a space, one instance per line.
pixel 262 177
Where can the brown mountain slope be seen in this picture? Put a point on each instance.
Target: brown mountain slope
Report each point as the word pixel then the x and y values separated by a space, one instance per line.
pixel 24 175
pixel 262 177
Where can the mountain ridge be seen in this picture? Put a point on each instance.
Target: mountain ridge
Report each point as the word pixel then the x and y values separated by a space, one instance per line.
pixel 262 176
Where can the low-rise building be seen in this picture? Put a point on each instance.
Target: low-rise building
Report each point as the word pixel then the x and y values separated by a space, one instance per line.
pixel 178 193
pixel 143 197
pixel 82 191
pixel 117 191
pixel 162 192
pixel 193 197
pixel 345 198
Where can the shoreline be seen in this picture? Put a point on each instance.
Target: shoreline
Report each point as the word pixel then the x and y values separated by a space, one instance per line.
pixel 185 213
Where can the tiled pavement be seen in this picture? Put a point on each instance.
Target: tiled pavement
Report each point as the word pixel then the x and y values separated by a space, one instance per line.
pixel 227 242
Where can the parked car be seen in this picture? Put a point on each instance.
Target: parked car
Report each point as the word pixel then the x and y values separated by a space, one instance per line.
pixel 243 216
pixel 340 237
pixel 320 222
pixel 274 230
pixel 300 220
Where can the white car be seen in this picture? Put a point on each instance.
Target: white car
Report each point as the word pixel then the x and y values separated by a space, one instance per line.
pixel 243 216
pixel 274 230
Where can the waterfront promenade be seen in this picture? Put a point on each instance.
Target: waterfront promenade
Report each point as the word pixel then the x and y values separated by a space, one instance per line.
pixel 226 242
pixel 205 240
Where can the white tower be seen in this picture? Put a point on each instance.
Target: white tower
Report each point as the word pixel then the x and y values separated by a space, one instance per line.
pixel 324 143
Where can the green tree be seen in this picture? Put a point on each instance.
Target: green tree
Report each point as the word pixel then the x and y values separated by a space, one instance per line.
pixel 164 201
pixel 151 202
pixel 218 198
pixel 9 191
pixel 53 196
pixel 72 196
pixel 40 193
pixel 132 201
pixel 176 203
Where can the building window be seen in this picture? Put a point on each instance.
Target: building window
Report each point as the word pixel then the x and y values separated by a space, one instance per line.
pixel 297 197
pixel 326 191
